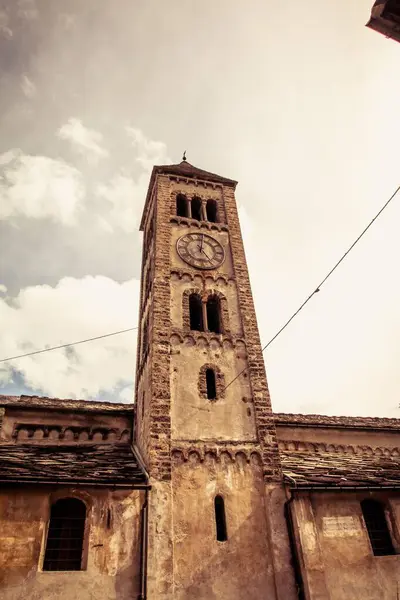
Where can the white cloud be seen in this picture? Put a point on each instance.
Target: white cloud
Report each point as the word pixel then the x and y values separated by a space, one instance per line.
pixel 125 194
pixel 150 152
pixel 84 140
pixel 126 198
pixel 43 316
pixel 3 288
pixel 28 87
pixel 39 187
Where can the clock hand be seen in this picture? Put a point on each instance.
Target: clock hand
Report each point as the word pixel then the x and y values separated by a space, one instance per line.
pixel 201 245
pixel 209 259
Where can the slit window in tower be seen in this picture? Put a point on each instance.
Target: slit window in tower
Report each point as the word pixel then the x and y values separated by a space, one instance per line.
pixel 213 314
pixel 211 210
pixel 196 313
pixel 181 206
pixel 220 519
pixel 211 384
pixel 196 208
pixel 64 544
pixel 377 527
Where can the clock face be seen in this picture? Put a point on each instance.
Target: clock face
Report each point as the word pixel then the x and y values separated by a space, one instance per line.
pixel 200 250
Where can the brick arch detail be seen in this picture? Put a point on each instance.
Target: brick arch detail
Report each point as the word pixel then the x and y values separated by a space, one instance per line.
pixel 219 380
pixel 221 219
pixel 204 295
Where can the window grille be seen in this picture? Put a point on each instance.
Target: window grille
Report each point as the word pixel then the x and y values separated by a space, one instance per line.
pixel 377 527
pixel 65 536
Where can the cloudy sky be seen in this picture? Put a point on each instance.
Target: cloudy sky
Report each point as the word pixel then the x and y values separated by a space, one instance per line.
pixel 299 102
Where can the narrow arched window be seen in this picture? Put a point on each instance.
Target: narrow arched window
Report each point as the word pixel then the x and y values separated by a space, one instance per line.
pixel 220 519
pixel 211 210
pixel 64 544
pixel 196 313
pixel 214 314
pixel 377 527
pixel 196 208
pixel 211 384
pixel 181 206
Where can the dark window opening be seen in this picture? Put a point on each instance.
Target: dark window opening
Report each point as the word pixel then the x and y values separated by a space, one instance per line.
pixel 65 536
pixel 181 206
pixel 196 313
pixel 220 520
pixel 196 208
pixel 377 527
pixel 211 209
pixel 213 314
pixel 211 384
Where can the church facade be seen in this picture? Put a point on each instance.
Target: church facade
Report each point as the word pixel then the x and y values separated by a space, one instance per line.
pixel 198 491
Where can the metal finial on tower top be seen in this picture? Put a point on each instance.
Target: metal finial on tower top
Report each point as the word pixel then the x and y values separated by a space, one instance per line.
pixel 184 155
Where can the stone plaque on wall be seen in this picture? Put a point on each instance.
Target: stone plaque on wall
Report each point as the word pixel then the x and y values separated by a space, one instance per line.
pixel 340 526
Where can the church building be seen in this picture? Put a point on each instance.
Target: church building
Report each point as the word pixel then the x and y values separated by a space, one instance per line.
pixel 197 491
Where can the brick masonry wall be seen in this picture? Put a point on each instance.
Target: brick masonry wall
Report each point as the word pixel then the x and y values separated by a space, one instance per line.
pixel 262 404
pixel 159 454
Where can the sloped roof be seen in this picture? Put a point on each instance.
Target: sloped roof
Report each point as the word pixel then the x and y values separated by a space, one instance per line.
pixel 339 470
pixel 183 169
pixel 104 464
pixel 64 404
pixel 299 420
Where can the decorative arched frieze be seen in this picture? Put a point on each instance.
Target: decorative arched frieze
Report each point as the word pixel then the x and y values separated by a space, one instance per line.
pixel 311 447
pixel 204 278
pixel 67 434
pixel 212 454
pixel 209 340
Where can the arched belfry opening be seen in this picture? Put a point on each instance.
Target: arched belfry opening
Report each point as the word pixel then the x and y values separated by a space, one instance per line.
pixel 196 312
pixel 211 384
pixel 211 211
pixel 213 310
pixel 196 208
pixel 182 206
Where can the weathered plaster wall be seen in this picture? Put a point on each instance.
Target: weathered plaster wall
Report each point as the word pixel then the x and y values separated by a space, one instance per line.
pixel 336 557
pixel 113 559
pixel 204 568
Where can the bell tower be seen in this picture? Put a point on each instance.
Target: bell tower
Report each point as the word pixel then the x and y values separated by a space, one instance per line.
pixel 204 421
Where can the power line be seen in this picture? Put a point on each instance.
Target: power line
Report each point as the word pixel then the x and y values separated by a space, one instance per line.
pixel 99 337
pixel 317 289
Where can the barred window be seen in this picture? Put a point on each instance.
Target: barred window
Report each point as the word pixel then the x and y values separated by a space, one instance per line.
pixel 377 527
pixel 64 544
